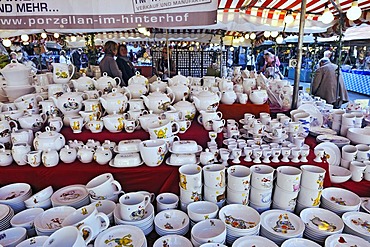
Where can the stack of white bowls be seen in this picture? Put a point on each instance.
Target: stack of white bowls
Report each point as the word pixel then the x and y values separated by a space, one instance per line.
pixel 25 219
pixel 13 236
pixel 262 179
pixel 215 184
pixel 253 241
pixel 345 240
pixel 41 199
pixel 240 221
pixel 75 196
pixel 320 223
pixel 146 224
pixel 171 221
pixel 129 234
pixel 173 240
pixel 280 225
pixel 190 184
pixel 14 195
pixel 312 184
pixel 294 242
pixel 357 224
pixel 51 220
pixel 340 200
pixel 287 187
pixel 208 231
pixel 238 185
pixel 6 214
pixel 201 210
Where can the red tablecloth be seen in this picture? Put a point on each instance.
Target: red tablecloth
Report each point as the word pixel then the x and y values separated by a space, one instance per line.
pixel 236 111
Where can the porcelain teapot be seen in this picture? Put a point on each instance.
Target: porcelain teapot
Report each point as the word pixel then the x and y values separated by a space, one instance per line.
pixel 68 154
pixel 102 156
pixel 158 85
pixel 228 97
pixel 207 100
pixel 62 73
pixel 258 96
pixel 106 83
pixel 115 101
pixel 180 91
pixel 158 102
pixel 85 154
pixel 249 84
pixel 145 119
pixel 224 84
pixel 69 103
pixel 137 89
pixel 50 158
pixel 48 140
pixel 84 83
pixel 6 157
pixel 187 109
pixel 16 74
pixel 138 79
pixel 178 80
pixel 114 123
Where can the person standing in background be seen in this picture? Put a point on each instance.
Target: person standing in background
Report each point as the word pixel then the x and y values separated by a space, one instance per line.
pixel 260 61
pixel 108 63
pixel 250 60
pixel 63 57
pixel 162 65
pixel 124 64
pixel 76 58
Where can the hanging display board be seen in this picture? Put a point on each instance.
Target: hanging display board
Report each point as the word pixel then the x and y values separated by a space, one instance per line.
pixel 109 14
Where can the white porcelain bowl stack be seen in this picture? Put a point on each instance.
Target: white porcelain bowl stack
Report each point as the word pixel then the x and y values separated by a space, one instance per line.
pixel 240 221
pixel 320 223
pixel 208 231
pixel 75 196
pixel 26 219
pixel 173 241
pixel 340 200
pixel 357 224
pixel 6 214
pixel 14 195
pixel 171 221
pixel 201 210
pixel 41 199
pixel 280 225
pixel 12 236
pixel 124 234
pixel 146 224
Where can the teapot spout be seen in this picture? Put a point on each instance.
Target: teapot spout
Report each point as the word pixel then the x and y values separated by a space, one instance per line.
pixel 146 100
pixel 196 101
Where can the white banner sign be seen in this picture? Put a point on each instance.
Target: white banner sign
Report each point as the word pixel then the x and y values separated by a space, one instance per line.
pixel 100 14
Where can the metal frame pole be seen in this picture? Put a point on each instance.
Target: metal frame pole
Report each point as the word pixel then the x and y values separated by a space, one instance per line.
pixel 299 60
pixel 339 61
pixel 168 55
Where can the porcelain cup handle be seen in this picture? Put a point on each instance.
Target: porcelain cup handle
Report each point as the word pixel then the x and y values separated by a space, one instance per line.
pixel 177 128
pixel 118 185
pixel 103 218
pixel 87 233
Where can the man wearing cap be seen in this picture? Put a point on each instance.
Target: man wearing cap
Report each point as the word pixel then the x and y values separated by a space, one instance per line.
pixel 325 83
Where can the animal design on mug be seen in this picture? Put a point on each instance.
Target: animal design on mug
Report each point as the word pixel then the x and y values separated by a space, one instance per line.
pixel 195 196
pixel 220 197
pixel 323 224
pixel 320 182
pixel 161 133
pixel 222 179
pixel 283 224
pixel 138 214
pixel 121 242
pixel 161 154
pixel 266 182
pixel 316 201
pixel 183 181
pixel 120 125
pixel 76 125
pixel 239 223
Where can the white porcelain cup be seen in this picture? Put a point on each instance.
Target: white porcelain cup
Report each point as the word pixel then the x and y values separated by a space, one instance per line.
pixel 132 206
pixel 103 187
pixel 357 168
pixel 278 132
pixel 363 152
pixel 130 125
pixel 260 197
pixel 33 158
pixel 161 129
pixel 19 152
pixel 153 151
pixel 193 195
pixel 285 198
pixel 190 176
pixel 348 119
pixel 258 128
pixel 184 125
pixel 167 201
pixel 312 177
pixel 214 176
pixel 309 197
pixel 349 152
pixel 237 196
pixel 67 236
pixel 262 177
pixel 218 125
pixel 288 178
pixel 76 123
pixel 214 194
pixel 88 220
pixel 238 178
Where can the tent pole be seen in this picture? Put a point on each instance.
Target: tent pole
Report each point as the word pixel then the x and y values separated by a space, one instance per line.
pixel 221 57
pixel 299 56
pixel 339 61
pixel 168 55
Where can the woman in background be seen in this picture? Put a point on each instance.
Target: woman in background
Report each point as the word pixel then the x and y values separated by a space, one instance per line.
pixel 124 64
pixel 108 63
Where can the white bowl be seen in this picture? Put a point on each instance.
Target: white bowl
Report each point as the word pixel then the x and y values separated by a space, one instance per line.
pixel 14 192
pixel 210 230
pixel 294 242
pixel 46 221
pixel 172 240
pixel 12 236
pixel 359 135
pixel 171 220
pixel 26 217
pixel 33 242
pixel 339 174
pixel 202 210
pixel 322 221
pixel 253 240
pixel 14 92
pixel 340 199
pixel 40 196
pixel 46 204
pixel 233 214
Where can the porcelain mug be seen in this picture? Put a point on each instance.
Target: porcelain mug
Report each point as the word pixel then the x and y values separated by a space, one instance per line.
pixel 67 236
pixel 19 152
pixel 237 196
pixel 33 158
pixel 285 198
pixel 309 197
pixel 88 220
pixel 262 177
pixel 349 152
pixel 363 152
pixel 167 201
pixel 76 124
pixel 103 186
pixel 357 168
pixel 238 177
pixel 190 176
pixel 188 196
pixel 288 178
pixel 312 177
pixel 214 194
pixel 132 206
pixel 214 176
pixel 260 197
pixel 130 125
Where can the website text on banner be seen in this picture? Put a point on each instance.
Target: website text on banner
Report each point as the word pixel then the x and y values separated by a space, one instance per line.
pixel 96 14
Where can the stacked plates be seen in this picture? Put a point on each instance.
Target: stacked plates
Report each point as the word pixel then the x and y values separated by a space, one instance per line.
pixel 146 224
pixel 173 241
pixel 339 200
pixel 357 223
pixel 298 242
pixel 320 223
pixel 250 241
pixel 337 240
pixel 119 235
pixel 75 196
pixel 171 221
pixel 280 225
pixel 51 220
pixel 208 231
pixel 240 221
pixel 14 195
pixel 6 214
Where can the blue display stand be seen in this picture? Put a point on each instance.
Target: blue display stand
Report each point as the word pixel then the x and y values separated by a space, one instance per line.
pixel 304 77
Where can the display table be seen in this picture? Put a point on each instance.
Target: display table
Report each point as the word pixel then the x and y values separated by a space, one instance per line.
pixel 236 111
